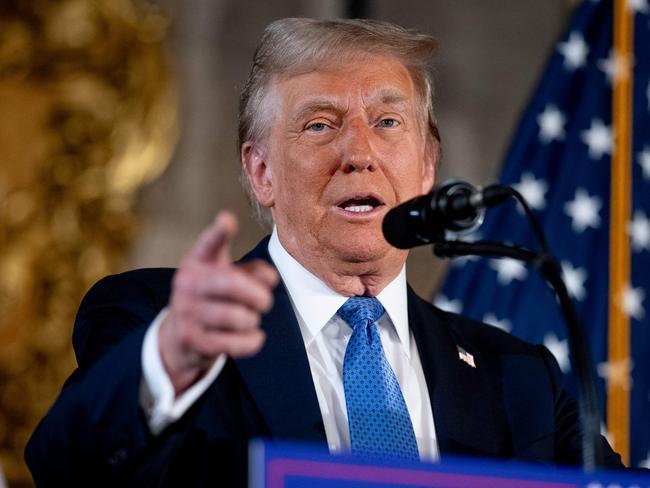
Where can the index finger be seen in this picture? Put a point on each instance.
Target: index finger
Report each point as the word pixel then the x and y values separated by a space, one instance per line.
pixel 261 271
pixel 214 242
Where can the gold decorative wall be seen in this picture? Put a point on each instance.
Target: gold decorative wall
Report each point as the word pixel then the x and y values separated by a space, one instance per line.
pixel 87 116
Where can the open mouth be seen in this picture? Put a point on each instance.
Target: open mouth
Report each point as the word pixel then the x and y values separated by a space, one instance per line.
pixel 361 204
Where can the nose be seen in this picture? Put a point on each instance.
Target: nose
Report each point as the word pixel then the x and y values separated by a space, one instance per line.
pixel 358 153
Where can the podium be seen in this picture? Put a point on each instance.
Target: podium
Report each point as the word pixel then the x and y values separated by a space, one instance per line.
pixel 288 465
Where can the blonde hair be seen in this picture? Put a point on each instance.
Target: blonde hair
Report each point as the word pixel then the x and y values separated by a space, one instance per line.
pixel 295 46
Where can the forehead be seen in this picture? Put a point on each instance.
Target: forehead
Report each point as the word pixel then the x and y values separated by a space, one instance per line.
pixel 371 80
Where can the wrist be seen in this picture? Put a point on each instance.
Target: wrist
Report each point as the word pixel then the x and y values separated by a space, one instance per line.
pixel 182 365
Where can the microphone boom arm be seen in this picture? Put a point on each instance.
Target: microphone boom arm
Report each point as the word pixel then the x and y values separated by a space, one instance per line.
pixel 550 270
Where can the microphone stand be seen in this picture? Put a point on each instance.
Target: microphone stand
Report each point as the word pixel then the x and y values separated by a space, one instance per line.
pixel 550 270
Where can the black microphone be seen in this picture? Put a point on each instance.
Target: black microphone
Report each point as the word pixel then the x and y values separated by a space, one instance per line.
pixel 454 206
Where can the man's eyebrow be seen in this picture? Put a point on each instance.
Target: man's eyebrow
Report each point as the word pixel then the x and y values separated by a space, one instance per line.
pixel 386 96
pixel 316 105
pixel 392 97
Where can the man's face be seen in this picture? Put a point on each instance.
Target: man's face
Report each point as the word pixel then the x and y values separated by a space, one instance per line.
pixel 345 145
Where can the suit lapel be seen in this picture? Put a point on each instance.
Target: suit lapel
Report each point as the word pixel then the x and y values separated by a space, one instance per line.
pixel 279 377
pixel 464 399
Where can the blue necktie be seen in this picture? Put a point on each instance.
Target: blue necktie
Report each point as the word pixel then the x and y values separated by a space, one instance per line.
pixel 379 421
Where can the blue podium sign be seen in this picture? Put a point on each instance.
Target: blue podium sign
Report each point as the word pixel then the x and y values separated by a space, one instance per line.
pixel 286 465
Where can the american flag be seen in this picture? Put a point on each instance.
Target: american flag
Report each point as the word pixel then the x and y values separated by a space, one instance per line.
pixel 560 160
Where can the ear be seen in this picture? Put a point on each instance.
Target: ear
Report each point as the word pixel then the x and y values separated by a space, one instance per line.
pixel 431 155
pixel 258 173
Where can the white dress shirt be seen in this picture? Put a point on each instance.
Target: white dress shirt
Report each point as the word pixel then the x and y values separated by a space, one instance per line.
pixel 325 336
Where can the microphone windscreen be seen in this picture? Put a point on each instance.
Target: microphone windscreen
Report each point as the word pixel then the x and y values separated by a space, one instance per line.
pixel 399 230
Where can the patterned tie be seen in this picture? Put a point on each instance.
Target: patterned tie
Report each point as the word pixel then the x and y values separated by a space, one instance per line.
pixel 379 421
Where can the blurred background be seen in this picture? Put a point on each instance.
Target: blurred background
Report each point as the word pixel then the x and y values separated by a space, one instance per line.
pixel 117 145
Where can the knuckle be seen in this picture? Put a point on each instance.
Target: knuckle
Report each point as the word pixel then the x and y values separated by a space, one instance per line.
pixel 250 319
pixel 221 280
pixel 185 280
pixel 261 339
pixel 247 319
pixel 235 277
pixel 238 348
pixel 253 344
pixel 230 315
pixel 256 320
pixel 267 300
pixel 270 273
pixel 236 344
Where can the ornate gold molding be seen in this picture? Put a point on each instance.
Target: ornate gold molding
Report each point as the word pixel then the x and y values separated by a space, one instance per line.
pixel 87 116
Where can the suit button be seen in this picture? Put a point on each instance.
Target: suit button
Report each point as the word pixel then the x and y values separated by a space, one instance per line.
pixel 118 457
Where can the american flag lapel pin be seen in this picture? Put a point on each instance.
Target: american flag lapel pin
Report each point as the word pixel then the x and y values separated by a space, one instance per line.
pixel 466 357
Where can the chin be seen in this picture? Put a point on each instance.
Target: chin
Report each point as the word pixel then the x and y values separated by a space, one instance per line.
pixel 362 248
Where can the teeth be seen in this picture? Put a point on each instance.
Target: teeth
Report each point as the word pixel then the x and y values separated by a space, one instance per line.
pixel 359 208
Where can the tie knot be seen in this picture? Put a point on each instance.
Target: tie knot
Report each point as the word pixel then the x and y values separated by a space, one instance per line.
pixel 362 311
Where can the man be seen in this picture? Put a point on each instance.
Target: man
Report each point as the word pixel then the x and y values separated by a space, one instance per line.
pixel 178 370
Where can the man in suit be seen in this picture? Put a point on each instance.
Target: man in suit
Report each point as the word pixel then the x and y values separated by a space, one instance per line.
pixel 179 369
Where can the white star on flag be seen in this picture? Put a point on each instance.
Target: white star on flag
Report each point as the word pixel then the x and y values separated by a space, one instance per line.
pixel 508 269
pixel 616 373
pixel 583 211
pixel 646 462
pixel 505 324
pixel 639 231
pixel 551 124
pixel 598 138
pixel 638 6
pixel 615 66
pixel 560 161
pixel 532 190
pixel 574 279
pixel 559 349
pixel 575 51
pixel 644 161
pixel 442 302
pixel 463 260
pixel 633 302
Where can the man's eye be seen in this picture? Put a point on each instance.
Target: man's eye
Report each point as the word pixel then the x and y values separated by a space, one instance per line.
pixel 317 127
pixel 388 123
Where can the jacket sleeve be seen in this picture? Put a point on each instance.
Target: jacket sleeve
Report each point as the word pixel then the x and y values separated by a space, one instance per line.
pixel 96 430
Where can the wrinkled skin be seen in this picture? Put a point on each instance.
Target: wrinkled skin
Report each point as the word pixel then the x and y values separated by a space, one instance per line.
pixel 352 130
pixel 345 144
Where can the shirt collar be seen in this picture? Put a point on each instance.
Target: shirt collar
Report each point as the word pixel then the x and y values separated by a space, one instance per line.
pixel 316 303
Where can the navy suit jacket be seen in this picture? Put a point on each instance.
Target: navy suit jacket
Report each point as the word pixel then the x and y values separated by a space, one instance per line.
pixel 511 406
